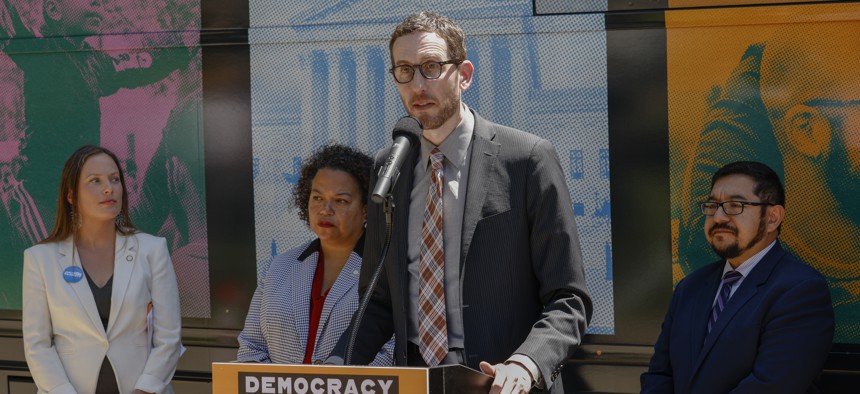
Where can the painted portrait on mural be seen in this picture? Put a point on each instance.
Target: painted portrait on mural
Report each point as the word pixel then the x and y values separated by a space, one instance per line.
pixel 792 103
pixel 123 74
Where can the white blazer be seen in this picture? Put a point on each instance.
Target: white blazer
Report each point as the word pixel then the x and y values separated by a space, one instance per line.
pixel 64 339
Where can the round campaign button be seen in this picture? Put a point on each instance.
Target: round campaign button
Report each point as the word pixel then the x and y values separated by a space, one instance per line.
pixel 73 274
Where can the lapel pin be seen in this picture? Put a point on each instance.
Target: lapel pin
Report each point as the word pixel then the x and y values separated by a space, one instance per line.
pixel 73 274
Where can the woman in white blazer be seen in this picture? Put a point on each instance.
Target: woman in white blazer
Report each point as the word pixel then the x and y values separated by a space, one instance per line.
pixel 88 289
pixel 306 297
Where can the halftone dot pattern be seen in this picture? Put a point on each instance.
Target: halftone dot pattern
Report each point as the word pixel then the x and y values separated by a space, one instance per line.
pixel 567 6
pixel 759 64
pixel 152 123
pixel 317 14
pixel 324 79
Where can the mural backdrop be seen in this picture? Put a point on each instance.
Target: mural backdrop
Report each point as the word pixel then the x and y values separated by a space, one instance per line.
pixel 319 74
pixel 781 88
pixel 124 74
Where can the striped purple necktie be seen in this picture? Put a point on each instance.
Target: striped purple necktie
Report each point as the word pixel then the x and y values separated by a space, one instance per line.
pixel 729 280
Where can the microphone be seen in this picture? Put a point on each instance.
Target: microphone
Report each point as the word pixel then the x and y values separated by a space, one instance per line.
pixel 405 134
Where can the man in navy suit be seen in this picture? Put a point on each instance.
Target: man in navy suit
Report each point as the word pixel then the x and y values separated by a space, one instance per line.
pixel 515 302
pixel 757 321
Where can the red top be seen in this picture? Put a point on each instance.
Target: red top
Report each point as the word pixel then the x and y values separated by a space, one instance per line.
pixel 317 302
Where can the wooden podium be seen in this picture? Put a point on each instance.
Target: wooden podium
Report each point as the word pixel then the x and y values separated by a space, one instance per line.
pixel 250 378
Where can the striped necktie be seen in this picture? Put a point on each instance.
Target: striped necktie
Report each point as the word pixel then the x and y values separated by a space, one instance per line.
pixel 729 280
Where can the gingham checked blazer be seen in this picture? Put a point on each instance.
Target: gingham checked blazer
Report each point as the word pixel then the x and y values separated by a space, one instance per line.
pixel 276 328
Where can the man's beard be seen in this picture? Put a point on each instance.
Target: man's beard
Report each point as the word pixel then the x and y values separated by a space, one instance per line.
pixel 735 249
pixel 447 108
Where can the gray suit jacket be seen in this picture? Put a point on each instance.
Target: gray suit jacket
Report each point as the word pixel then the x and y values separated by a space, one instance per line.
pixel 522 279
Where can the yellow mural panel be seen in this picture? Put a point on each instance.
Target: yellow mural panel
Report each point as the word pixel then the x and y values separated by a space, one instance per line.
pixel 780 85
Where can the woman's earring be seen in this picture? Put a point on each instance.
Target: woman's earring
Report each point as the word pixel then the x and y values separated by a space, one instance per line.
pixel 121 223
pixel 76 220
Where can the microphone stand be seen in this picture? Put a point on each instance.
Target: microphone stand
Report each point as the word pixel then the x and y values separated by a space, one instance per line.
pixel 388 208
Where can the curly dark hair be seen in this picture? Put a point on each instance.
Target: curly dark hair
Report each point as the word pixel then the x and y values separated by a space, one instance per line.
pixel 335 157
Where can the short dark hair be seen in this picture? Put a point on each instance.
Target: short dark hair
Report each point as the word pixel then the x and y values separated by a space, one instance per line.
pixel 768 186
pixel 64 225
pixel 432 22
pixel 335 157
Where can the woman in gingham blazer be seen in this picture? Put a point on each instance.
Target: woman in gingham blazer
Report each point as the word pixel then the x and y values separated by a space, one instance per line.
pixel 306 297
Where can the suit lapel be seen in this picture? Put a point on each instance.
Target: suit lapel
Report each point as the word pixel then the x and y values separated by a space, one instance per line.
pixel 300 285
pixel 748 289
pixel 82 287
pixel 397 260
pixel 125 258
pixel 346 281
pixel 741 296
pixel 700 314
pixel 485 153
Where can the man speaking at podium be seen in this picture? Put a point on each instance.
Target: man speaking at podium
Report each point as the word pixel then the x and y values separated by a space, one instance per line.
pixel 485 267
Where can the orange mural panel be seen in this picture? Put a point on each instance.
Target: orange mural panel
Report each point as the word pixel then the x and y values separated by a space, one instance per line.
pixel 729 3
pixel 780 85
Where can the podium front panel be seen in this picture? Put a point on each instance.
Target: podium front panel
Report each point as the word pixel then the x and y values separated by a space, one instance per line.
pixel 252 378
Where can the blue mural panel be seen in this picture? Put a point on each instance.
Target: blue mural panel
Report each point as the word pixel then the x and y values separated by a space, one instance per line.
pixel 319 75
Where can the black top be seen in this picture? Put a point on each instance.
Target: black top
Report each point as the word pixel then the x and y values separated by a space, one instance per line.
pixel 102 295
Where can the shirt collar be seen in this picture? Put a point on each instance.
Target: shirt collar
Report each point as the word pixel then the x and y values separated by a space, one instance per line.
pixel 316 246
pixel 456 145
pixel 748 265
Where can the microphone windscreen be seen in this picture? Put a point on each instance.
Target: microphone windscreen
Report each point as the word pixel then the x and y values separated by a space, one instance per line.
pixel 408 127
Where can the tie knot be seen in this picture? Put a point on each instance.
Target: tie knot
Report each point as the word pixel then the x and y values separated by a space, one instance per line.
pixel 436 158
pixel 731 277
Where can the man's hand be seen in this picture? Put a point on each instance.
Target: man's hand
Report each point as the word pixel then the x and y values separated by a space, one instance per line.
pixel 511 378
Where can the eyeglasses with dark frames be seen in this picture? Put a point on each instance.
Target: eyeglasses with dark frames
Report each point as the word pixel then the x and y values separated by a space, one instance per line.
pixel 429 70
pixel 709 208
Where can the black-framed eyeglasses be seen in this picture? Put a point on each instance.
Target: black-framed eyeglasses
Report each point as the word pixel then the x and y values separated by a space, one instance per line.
pixel 709 208
pixel 429 70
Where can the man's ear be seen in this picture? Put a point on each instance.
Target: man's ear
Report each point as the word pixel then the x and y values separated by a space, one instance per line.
pixel 773 217
pixel 808 131
pixel 466 70
pixel 51 10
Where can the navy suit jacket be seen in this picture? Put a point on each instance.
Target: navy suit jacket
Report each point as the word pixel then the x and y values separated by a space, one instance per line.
pixel 773 336
pixel 521 274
